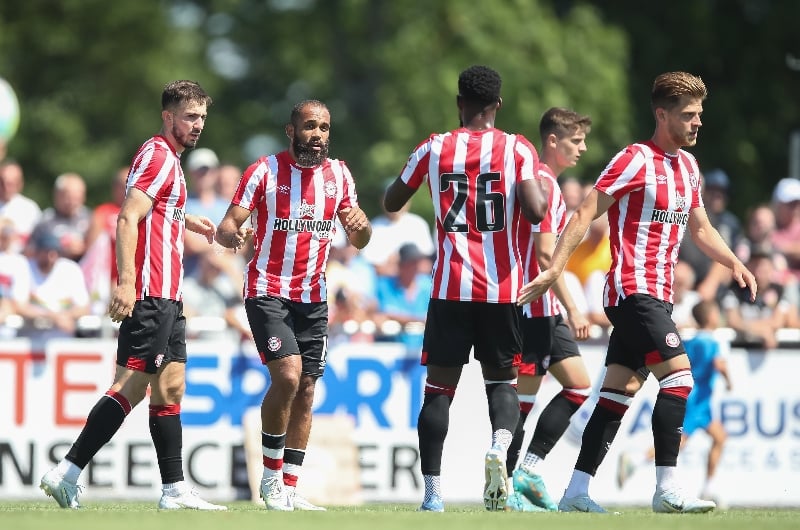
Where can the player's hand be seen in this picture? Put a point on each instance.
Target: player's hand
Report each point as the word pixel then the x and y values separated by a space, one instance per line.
pixel 353 219
pixel 241 238
pixel 745 278
pixel 580 325
pixel 202 225
pixel 535 289
pixel 121 305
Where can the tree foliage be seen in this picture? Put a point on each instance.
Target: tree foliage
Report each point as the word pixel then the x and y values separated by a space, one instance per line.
pixel 89 75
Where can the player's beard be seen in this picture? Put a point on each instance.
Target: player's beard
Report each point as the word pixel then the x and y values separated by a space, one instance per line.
pixel 306 155
pixel 186 140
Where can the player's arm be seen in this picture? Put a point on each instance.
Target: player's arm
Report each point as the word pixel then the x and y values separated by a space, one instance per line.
pixel 593 206
pixel 545 243
pixel 134 208
pixel 397 195
pixel 357 226
pixel 711 243
pixel 532 195
pixel 230 233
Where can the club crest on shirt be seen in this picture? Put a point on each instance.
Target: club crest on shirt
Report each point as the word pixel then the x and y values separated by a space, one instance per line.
pixel 330 189
pixel 672 340
pixel 680 202
pixel 274 344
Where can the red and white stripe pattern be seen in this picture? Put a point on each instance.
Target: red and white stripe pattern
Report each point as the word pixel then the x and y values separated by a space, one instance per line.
pixel 576 395
pixel 678 383
pixel 654 192
pixel 615 400
pixel 553 223
pixel 477 214
pixel 156 171
pixel 293 213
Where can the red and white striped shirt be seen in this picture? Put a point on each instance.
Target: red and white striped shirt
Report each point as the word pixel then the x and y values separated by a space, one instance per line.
pixel 293 214
pixel 472 176
pixel 655 192
pixel 553 223
pixel 156 170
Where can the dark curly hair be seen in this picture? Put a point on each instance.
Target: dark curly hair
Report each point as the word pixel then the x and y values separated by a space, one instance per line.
pixel 177 93
pixel 479 84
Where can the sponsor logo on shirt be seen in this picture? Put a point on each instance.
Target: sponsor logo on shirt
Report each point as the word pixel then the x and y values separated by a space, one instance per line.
pixel 670 217
pixel 321 227
pixel 178 215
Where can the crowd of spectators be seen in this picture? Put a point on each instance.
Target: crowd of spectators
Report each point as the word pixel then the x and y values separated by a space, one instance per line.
pixel 57 264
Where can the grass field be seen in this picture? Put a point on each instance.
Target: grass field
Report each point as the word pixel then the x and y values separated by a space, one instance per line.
pixel 246 516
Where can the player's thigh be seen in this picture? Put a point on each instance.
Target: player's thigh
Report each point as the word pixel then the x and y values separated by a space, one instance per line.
pixel 169 384
pixel 498 338
pixel 449 333
pixel 566 363
pixel 644 334
pixel 311 332
pixel 149 337
pixel 537 342
pixel 272 324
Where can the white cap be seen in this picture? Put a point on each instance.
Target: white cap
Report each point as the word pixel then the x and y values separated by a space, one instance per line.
pixel 787 190
pixel 202 157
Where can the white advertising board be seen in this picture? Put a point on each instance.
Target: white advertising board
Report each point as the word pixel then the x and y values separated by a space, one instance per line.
pixel 45 396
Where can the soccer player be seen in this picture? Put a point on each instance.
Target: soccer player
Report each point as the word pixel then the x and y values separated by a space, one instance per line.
pixel 480 179
pixel 707 361
pixel 294 198
pixel 151 350
pixel 651 191
pixel 548 343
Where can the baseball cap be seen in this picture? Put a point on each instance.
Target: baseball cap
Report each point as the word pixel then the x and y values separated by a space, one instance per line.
pixel 200 158
pixel 46 241
pixel 716 178
pixel 409 252
pixel 787 190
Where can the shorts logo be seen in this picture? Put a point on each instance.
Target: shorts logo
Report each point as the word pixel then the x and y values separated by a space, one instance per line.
pixel 673 340
pixel 274 344
pixel 159 360
pixel 546 362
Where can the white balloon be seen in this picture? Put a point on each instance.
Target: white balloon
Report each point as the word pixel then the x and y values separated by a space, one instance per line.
pixel 9 111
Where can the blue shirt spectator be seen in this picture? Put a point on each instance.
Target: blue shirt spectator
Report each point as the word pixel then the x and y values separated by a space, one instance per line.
pixel 404 298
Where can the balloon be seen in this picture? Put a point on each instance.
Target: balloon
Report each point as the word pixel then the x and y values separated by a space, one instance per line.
pixel 9 111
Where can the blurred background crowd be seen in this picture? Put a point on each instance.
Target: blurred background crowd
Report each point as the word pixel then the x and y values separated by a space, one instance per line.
pixel 57 264
pixel 87 80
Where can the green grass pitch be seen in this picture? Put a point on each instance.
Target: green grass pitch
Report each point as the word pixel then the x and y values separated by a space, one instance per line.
pixel 245 516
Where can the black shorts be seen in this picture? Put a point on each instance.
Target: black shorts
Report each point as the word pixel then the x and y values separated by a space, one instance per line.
pixel 545 340
pixel 153 335
pixel 644 332
pixel 282 327
pixel 453 328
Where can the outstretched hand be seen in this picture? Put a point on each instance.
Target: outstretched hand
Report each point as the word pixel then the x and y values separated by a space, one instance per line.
pixel 201 225
pixel 535 289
